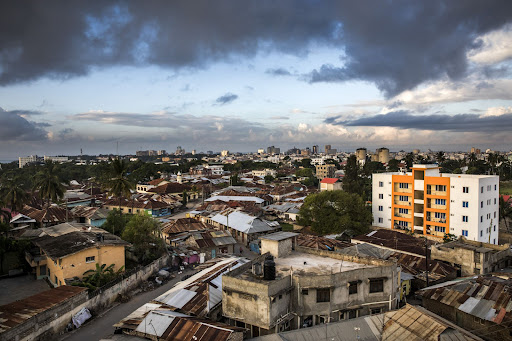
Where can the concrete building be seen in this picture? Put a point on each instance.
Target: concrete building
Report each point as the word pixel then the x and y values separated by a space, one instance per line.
pixel 315 149
pixel 383 155
pixel 264 172
pixel 290 287
pixel 224 153
pixel 361 155
pixel 56 159
pixel 428 202
pixel 325 171
pixel 327 148
pixel 330 184
pixel 473 258
pixel 23 160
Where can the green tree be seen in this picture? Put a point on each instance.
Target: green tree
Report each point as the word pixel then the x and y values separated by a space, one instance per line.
pixel 268 178
pixel 13 193
pixel 352 183
pixel 184 198
pixel 116 222
pixel 48 183
pixel 393 165
pixel 143 232
pixel 440 157
pixel 505 210
pixel 235 181
pixel 101 275
pixel 335 212
pixel 118 184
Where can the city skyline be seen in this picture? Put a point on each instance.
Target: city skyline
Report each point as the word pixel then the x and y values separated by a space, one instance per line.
pixel 242 76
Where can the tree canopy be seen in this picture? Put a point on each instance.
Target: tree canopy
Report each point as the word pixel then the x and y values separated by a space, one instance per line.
pixel 143 232
pixel 49 184
pixel 335 212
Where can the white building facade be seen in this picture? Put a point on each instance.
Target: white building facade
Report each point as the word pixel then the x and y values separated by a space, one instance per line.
pixel 432 203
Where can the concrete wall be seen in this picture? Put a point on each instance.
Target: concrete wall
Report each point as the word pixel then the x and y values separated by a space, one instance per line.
pixel 385 202
pixel 48 324
pixel 277 248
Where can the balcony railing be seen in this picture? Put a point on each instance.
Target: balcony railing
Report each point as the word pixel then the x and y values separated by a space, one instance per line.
pixel 402 203
pixel 437 220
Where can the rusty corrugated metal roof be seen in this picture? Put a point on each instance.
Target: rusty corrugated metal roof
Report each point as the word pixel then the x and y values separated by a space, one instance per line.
pixel 15 313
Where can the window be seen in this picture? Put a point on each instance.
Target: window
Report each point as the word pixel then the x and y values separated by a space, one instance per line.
pixel 482 189
pixel 375 311
pixel 381 220
pixel 465 233
pixel 481 233
pixel 464 218
pixel 352 314
pixel 403 185
pixel 342 315
pixel 440 215
pixel 56 280
pixel 381 184
pixel 494 201
pixel 481 204
pixel 376 285
pixel 465 189
pixel 403 198
pixel 495 187
pixel 381 196
pixel 305 291
pixel 440 201
pixel 323 295
pixel 441 188
pixel 402 223
pixel 352 287
pixel 89 259
pixel 381 208
pixel 403 210
pixel 440 229
pixel 481 218
pixel 494 228
pixel 465 204
pixel 488 201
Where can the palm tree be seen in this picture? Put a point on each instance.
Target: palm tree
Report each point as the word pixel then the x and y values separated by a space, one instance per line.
pixel 440 157
pixel 471 159
pixel 118 185
pixel 13 193
pixel 48 183
pixel 505 210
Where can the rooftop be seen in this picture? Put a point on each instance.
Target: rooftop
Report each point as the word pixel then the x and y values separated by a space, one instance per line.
pixel 279 236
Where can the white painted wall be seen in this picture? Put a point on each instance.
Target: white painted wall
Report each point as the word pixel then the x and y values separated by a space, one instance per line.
pixel 385 202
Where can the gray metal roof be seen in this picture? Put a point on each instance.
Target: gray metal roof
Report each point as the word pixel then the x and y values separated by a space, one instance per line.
pixel 279 235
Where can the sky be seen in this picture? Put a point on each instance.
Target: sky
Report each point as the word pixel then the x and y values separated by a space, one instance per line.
pixel 242 75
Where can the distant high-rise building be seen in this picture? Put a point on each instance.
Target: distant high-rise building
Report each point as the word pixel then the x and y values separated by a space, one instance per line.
pixel 327 148
pixel 306 151
pixel 179 151
pixel 361 154
pixel 23 160
pixel 261 151
pixel 153 153
pixel 161 152
pixel 383 154
pixel 142 152
pixel 273 150
pixel 315 149
pixel 224 153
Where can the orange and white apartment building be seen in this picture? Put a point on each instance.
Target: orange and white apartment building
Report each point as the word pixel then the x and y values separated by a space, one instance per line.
pixel 428 202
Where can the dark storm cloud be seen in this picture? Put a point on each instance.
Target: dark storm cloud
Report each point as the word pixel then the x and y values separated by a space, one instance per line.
pixel 395 44
pixel 278 72
pixel 457 123
pixel 226 99
pixel 13 127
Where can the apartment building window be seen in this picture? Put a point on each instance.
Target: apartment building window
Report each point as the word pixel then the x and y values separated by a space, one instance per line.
pixel 89 259
pixel 481 204
pixel 376 285
pixel 305 291
pixel 494 228
pixel 352 287
pixel 465 204
pixel 494 214
pixel 381 196
pixel 381 220
pixel 381 184
pixel 482 189
pixel 441 188
pixel 323 295
pixel 465 233
pixel 495 187
pixel 440 229
pixel 481 218
pixel 440 215
pixel 465 189
pixel 464 218
pixel 403 185
pixel 403 210
pixel 440 201
pixel 494 201
pixel 402 223
pixel 489 188
pixel 381 208
pixel 481 233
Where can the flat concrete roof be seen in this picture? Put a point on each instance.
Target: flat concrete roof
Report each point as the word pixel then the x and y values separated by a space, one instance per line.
pixel 279 235
pixel 308 263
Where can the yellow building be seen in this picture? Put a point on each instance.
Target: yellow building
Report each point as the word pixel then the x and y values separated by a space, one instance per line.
pixel 69 255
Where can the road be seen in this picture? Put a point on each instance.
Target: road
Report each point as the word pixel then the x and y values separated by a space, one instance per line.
pixel 102 326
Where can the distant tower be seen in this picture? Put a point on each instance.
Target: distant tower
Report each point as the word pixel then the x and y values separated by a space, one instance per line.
pixel 315 149
pixel 179 178
pixel 361 155
pixel 327 148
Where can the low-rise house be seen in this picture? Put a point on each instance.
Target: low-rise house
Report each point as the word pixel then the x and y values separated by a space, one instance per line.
pixel 479 304
pixel 290 287
pixel 410 323
pixel 63 253
pixel 287 211
pixel 472 257
pixel 242 226
pixel 178 226
pixel 151 207
pixel 47 216
pixel 394 240
pixel 330 184
pixel 94 216
pixel 211 243
pixel 264 172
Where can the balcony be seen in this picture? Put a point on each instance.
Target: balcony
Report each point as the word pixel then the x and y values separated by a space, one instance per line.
pixel 437 220
pixel 403 190
pixel 419 214
pixel 402 215
pixel 402 203
pixel 35 258
pixel 437 207
pixel 419 201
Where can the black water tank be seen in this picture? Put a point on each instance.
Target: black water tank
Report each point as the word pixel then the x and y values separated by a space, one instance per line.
pixel 269 269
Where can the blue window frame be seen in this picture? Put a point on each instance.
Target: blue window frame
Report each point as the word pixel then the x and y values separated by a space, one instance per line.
pixel 465 233
pixel 465 204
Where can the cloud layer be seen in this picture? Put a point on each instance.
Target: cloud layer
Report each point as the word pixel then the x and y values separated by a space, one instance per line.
pixel 397 44
pixel 14 127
